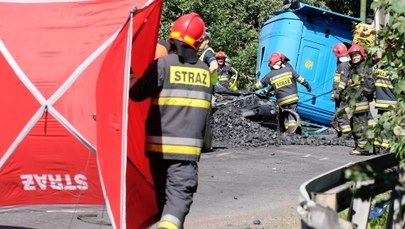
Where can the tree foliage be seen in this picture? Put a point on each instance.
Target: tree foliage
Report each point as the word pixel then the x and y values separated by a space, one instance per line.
pixel 234 27
pixel 390 49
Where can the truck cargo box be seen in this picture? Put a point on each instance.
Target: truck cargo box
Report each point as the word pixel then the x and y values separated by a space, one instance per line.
pixel 306 36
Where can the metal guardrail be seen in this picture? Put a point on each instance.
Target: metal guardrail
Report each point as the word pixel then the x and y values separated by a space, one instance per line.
pixel 323 197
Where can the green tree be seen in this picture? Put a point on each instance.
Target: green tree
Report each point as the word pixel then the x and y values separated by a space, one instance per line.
pixel 234 26
pixel 390 49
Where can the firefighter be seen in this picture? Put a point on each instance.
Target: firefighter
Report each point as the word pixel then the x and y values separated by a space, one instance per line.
pixel 361 92
pixel 282 79
pixel 339 84
pixel 225 72
pixel 234 79
pixel 208 57
pixel 385 100
pixel 179 85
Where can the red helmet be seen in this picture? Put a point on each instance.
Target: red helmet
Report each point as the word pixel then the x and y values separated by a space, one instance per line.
pixel 220 54
pixel 357 48
pixel 189 29
pixel 276 57
pixel 340 50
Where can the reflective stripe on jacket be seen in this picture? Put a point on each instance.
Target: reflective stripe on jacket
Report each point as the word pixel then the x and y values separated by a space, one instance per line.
pixel 176 122
pixel 341 77
pixel 360 88
pixel 385 98
pixel 284 83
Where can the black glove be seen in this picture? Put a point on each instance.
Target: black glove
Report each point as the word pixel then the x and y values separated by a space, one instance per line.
pixel 253 88
pixel 307 86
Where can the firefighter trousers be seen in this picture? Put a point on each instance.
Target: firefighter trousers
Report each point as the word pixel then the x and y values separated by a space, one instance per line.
pixel 175 184
pixel 359 126
pixel 381 146
pixel 343 123
pixel 289 119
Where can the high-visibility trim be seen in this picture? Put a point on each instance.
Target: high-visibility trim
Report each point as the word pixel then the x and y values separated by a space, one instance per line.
pixel 187 150
pixel 342 85
pixel 290 124
pixel 362 144
pixel 185 93
pixel 384 144
pixel 301 79
pixel 167 225
pixel 336 78
pixel 385 85
pixel 288 99
pixel 371 123
pixel 382 105
pixel 279 78
pixel 346 130
pixel 393 102
pixel 174 140
pixel 356 152
pixel 190 76
pixel 258 85
pixel 189 39
pixel 185 102
pixel 223 78
pixel 381 73
pixel 362 106
pixel 172 219
pixel 175 34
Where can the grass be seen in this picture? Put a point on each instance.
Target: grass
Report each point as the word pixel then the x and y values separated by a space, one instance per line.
pixel 378 222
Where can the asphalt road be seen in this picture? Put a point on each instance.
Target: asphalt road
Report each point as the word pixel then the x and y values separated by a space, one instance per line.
pixel 238 188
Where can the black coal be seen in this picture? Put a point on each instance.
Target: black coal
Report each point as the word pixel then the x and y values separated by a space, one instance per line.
pixel 232 130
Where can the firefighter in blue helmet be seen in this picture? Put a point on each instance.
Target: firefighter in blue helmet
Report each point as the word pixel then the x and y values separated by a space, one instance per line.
pixel 180 88
pixel 340 82
pixel 283 79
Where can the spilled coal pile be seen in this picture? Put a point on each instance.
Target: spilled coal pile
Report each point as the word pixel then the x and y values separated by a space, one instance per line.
pixel 232 130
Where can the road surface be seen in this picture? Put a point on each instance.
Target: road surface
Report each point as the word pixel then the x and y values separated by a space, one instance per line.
pixel 238 188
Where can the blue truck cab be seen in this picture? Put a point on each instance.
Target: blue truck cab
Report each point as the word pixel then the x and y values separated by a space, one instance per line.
pixel 306 36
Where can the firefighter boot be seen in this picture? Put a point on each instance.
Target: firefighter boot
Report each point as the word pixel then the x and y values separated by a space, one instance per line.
pixel 359 152
pixel 378 150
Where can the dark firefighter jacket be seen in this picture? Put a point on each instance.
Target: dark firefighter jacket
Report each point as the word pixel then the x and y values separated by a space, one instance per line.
pixel 385 98
pixel 284 83
pixel 225 75
pixel 360 87
pixel 181 99
pixel 341 78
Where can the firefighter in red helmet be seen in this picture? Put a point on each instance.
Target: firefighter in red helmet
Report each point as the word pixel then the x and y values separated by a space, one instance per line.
pixel 282 79
pixel 360 88
pixel 179 86
pixel 340 82
pixel 225 73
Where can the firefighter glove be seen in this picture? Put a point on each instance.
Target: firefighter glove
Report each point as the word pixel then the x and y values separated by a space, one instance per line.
pixel 307 86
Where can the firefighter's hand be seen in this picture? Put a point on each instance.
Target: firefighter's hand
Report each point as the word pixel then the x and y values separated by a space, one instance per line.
pixel 253 88
pixel 307 86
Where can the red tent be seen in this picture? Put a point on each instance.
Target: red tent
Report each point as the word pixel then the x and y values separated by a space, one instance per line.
pixel 65 134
